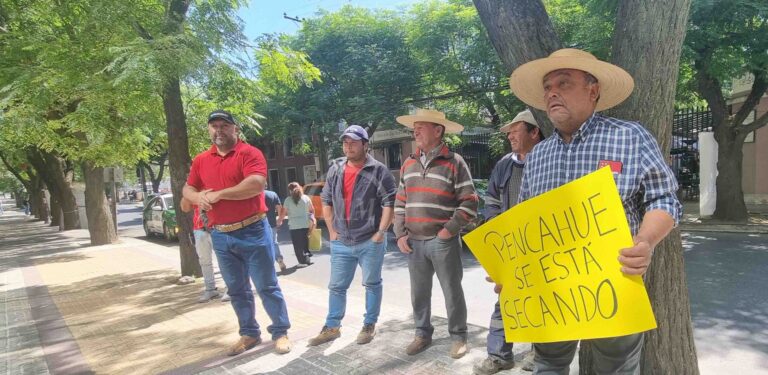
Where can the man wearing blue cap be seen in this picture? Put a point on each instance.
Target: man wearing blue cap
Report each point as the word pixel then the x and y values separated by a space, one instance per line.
pixel 358 202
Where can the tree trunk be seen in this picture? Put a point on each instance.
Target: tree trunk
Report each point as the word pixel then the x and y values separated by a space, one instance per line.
pixel 179 163
pixel 58 177
pixel 520 31
pixel 729 201
pixel 100 226
pixel 57 215
pixel 647 44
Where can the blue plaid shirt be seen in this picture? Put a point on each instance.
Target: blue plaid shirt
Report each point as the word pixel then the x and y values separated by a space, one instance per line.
pixel 645 182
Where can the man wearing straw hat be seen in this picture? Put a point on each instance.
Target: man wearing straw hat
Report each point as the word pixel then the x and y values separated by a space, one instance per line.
pixel 435 199
pixel 523 133
pixel 572 86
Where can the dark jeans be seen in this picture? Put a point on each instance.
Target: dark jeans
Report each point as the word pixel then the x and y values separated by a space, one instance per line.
pixel 496 343
pixel 612 355
pixel 301 244
pixel 248 252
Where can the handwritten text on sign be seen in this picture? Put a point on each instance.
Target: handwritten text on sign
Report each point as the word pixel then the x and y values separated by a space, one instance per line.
pixel 557 257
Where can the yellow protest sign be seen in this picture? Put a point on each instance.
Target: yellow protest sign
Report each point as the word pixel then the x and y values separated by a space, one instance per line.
pixel 557 257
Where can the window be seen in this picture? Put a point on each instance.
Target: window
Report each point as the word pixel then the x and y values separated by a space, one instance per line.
pixel 290 175
pixel 394 156
pixel 269 150
pixel 288 148
pixel 274 182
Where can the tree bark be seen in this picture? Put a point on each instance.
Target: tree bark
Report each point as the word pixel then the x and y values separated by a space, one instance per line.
pixel 520 31
pixel 58 176
pixel 647 43
pixel 101 228
pixel 729 203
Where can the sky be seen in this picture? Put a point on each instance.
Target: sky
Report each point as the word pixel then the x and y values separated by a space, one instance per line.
pixel 266 16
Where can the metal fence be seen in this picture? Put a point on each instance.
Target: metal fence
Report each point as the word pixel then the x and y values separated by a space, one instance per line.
pixel 687 125
pixel 476 151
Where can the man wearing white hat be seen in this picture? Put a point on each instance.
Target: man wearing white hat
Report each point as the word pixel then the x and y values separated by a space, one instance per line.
pixel 435 199
pixel 572 86
pixel 523 133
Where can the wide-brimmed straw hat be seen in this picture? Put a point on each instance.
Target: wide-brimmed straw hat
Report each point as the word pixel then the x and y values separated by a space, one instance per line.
pixel 429 115
pixel 527 80
pixel 524 116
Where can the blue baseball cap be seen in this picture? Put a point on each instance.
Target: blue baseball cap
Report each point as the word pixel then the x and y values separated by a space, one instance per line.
pixel 355 132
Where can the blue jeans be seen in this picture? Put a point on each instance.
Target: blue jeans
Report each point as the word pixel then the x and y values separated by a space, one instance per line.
pixel 249 252
pixel 344 260
pixel 278 255
pixel 496 343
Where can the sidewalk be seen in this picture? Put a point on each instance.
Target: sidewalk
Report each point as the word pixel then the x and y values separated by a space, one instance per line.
pixel 115 309
pixel 693 222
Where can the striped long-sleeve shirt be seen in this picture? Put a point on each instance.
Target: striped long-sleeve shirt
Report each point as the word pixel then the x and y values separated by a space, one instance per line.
pixel 438 195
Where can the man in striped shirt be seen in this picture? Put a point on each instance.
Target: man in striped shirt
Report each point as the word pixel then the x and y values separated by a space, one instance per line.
pixel 523 133
pixel 435 199
pixel 572 86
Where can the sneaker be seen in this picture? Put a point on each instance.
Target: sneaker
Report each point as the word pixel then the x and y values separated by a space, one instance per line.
pixel 283 345
pixel 225 297
pixel 418 345
pixel 458 349
pixel 281 264
pixel 208 295
pixel 245 343
pixel 366 334
pixel 491 366
pixel 527 364
pixel 326 334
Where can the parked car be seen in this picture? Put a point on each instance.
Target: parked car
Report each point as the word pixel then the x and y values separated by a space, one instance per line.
pixel 159 217
pixel 481 188
pixel 313 190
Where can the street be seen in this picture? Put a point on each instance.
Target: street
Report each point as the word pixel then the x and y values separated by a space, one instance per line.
pixel 71 308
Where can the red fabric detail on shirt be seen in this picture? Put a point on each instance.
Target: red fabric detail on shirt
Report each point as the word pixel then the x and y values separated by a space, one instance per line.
pixel 350 175
pixel 213 171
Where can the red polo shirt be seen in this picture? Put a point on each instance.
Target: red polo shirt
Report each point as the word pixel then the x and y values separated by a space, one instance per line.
pixel 213 171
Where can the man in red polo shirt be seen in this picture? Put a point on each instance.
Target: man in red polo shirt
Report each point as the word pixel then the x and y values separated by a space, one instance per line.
pixel 227 182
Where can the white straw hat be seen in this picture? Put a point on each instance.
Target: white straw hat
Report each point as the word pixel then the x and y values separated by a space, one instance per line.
pixel 429 115
pixel 527 80
pixel 524 116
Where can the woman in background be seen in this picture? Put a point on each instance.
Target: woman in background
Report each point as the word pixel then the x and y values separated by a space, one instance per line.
pixel 301 220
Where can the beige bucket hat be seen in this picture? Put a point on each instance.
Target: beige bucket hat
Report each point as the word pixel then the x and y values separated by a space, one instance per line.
pixel 615 83
pixel 429 115
pixel 524 116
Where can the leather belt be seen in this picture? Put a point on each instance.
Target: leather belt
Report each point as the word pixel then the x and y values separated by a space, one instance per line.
pixel 240 224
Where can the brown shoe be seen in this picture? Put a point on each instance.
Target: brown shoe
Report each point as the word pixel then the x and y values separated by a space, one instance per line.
pixel 458 349
pixel 366 334
pixel 326 334
pixel 418 345
pixel 245 343
pixel 283 345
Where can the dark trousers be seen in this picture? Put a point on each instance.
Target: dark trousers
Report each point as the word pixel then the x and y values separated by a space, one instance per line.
pixel 301 244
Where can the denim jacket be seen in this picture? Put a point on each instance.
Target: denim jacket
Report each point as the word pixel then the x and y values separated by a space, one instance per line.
pixel 374 189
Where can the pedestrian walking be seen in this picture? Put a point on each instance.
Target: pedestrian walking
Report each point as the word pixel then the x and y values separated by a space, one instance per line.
pixel 523 133
pixel 301 220
pixel 358 199
pixel 227 181
pixel 435 199
pixel 274 206
pixel 572 86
